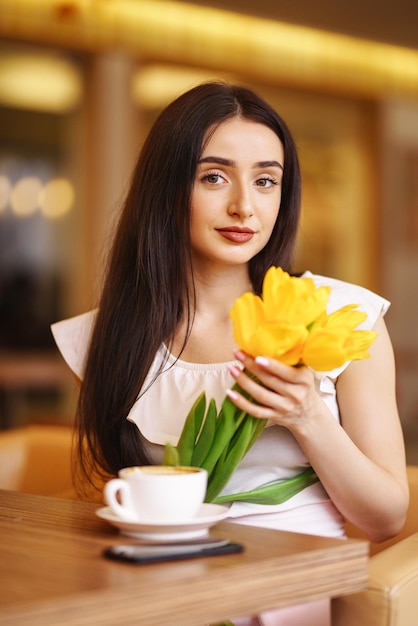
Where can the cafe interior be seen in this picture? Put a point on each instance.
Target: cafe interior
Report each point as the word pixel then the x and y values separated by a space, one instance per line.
pixel 82 81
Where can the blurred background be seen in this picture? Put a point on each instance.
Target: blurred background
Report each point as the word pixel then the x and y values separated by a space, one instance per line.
pixel 81 82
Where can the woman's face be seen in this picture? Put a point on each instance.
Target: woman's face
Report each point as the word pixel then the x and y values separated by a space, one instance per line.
pixel 236 193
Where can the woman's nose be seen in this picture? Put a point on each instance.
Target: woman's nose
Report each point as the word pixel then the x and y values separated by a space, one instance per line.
pixel 241 203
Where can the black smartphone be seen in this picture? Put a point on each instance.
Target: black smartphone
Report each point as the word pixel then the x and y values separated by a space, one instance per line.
pixel 140 554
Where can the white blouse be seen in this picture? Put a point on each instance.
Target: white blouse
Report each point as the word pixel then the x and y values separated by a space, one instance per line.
pixel 160 411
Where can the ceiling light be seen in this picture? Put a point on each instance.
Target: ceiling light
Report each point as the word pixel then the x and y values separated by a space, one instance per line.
pixel 156 85
pixel 39 82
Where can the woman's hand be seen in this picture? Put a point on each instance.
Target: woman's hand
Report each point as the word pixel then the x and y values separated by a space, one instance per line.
pixel 282 394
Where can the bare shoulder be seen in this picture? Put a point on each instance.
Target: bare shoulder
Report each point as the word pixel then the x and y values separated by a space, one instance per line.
pixel 366 393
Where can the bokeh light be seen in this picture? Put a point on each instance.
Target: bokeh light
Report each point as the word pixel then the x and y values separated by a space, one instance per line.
pixel 24 198
pixel 56 198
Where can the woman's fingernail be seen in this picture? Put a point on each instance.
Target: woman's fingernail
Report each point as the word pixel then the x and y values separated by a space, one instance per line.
pixel 232 394
pixel 234 370
pixel 262 360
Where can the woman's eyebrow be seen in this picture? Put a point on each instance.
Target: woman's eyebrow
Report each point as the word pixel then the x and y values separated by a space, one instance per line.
pixel 231 163
pixel 219 160
pixel 269 164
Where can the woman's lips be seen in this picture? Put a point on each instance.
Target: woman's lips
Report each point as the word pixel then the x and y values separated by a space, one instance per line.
pixel 237 235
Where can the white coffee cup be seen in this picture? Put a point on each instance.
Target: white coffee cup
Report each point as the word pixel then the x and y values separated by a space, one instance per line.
pixel 156 493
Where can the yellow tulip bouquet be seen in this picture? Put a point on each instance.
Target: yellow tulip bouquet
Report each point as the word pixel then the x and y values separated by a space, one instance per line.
pixel 288 323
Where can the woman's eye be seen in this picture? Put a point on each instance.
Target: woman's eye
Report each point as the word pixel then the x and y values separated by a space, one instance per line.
pixel 213 179
pixel 266 182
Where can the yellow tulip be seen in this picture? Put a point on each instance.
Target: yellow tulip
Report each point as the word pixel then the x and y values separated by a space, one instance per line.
pixel 292 299
pixel 248 315
pixel 290 324
pixel 281 341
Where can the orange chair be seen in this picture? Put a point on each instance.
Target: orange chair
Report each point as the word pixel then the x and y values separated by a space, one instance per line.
pixel 36 459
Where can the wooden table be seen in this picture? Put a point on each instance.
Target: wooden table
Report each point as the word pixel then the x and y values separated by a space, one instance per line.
pixel 52 571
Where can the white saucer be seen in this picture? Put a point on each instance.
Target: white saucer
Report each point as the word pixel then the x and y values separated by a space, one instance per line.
pixel 207 516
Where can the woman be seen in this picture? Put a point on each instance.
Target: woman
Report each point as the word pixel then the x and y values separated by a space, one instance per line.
pixel 214 202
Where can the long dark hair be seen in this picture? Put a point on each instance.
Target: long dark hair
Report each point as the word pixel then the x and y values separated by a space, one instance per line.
pixel 146 293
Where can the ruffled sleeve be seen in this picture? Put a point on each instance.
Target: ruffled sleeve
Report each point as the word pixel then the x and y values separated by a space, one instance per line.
pixel 343 293
pixel 72 337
